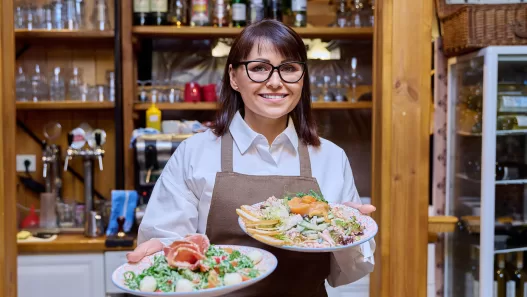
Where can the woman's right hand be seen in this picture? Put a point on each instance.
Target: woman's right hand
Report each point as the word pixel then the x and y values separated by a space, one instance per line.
pixel 146 248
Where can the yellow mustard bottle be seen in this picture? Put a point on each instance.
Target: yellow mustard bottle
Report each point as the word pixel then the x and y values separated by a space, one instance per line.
pixel 153 117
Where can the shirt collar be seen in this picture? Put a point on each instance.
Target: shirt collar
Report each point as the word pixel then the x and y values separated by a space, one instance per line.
pixel 244 136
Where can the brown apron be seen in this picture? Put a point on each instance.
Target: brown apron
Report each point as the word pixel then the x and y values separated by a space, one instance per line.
pixel 297 274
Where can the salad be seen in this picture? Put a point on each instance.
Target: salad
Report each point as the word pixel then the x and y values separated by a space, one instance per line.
pixel 302 220
pixel 192 264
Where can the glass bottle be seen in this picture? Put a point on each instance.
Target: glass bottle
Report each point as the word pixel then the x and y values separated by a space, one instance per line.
pixel 80 12
pixel 100 17
pixel 141 12
pixel 199 15
pixel 357 8
pixel 75 85
pixel 178 13
pixel 327 95
pixel 298 7
pixel 274 10
pixel 57 88
pixel 256 11
pixel 39 86
pixel 343 13
pixel 239 13
pixel 220 17
pixel 520 276
pixel 340 90
pixel 159 12
pixel 22 85
pixel 501 276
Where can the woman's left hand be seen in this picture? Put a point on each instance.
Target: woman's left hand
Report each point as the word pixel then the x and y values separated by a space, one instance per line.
pixel 365 209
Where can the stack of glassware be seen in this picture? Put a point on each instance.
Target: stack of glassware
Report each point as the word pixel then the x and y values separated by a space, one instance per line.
pixel 61 84
pixel 61 15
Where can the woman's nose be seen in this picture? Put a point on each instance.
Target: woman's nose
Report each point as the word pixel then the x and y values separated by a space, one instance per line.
pixel 274 80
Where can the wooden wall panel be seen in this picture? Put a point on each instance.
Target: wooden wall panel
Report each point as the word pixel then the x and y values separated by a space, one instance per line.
pixel 401 146
pixel 8 248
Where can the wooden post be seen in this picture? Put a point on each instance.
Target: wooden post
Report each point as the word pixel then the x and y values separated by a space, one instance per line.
pixel 401 112
pixel 8 229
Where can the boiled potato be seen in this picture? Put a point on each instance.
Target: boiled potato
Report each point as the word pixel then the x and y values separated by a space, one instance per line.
pixel 148 284
pixel 184 285
pixel 255 256
pixel 232 279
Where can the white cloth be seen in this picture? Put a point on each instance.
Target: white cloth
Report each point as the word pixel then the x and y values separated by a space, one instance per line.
pixel 181 198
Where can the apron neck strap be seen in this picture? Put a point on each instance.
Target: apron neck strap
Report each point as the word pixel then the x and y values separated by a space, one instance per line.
pixel 226 156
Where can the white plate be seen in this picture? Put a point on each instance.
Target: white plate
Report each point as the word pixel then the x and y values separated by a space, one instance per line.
pixel 266 266
pixel 370 231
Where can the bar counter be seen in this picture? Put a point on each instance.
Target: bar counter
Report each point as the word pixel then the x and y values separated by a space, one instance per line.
pixel 69 243
pixel 77 243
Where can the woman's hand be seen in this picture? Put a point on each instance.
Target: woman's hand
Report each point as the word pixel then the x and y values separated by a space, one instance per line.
pixel 146 248
pixel 365 209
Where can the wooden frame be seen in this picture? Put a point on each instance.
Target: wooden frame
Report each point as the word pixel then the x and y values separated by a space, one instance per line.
pixel 8 229
pixel 402 87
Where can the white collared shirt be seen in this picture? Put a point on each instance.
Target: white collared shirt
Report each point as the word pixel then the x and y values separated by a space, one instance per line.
pixel 181 198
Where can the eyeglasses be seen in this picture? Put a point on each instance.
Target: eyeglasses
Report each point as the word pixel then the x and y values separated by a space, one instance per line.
pixel 259 71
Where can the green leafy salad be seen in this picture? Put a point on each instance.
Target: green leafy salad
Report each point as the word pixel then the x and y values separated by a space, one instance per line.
pixel 186 270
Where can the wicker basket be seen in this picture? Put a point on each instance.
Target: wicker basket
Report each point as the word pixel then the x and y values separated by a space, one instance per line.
pixel 472 27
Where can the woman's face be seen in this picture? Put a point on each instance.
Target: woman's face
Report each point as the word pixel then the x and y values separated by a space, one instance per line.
pixel 273 98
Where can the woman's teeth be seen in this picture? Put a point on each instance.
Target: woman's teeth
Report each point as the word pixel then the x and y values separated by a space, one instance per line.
pixel 273 96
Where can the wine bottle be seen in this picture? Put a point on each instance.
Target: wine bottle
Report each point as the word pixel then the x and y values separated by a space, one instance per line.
pixel 510 170
pixel 501 276
pixel 299 13
pixel 178 13
pixel 256 11
pixel 220 17
pixel 239 13
pixel 520 276
pixel 141 12
pixel 274 10
pixel 159 10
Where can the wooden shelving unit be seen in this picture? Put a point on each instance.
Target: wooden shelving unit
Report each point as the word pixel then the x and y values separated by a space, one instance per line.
pixel 213 32
pixel 214 106
pixel 63 34
pixel 64 105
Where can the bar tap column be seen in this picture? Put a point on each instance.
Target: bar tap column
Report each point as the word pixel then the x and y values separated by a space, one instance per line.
pixel 76 141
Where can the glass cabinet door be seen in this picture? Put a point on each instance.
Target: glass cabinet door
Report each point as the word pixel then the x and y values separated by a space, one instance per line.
pixel 487 174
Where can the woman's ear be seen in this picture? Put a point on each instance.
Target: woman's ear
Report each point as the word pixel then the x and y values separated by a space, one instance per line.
pixel 232 77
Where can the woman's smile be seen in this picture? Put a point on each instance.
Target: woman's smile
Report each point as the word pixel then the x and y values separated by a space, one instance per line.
pixel 273 97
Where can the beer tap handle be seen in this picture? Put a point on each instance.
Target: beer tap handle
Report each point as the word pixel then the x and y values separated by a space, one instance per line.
pixel 100 162
pixel 97 139
pixel 45 169
pixel 66 163
pixel 70 139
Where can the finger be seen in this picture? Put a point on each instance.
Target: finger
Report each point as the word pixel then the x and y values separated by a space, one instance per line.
pixel 363 208
pixel 146 249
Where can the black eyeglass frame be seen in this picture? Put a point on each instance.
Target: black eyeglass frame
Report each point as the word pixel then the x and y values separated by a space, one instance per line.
pixel 245 63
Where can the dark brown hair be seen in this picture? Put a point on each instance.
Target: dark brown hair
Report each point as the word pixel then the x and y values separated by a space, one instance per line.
pixel 288 44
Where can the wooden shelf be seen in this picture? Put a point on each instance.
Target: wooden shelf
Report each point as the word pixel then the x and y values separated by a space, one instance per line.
pixel 213 32
pixel 62 34
pixel 49 105
pixel 69 243
pixel 214 106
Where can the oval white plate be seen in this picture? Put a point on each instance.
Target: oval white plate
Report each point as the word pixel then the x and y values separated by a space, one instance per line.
pixel 370 231
pixel 266 266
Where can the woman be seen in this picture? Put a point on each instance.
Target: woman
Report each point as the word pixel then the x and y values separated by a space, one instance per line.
pixel 264 143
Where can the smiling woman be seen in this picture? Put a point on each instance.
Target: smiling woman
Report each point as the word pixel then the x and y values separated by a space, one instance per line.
pixel 264 144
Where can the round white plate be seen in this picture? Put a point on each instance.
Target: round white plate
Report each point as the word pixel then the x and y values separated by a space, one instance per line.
pixel 370 231
pixel 266 266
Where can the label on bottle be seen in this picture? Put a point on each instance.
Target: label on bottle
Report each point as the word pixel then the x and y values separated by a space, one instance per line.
pixel 141 6
pixel 199 6
pixel 511 288
pixel 239 11
pixel 476 288
pixel 153 118
pixel 219 11
pixel 513 102
pixel 522 121
pixel 298 5
pixel 159 5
